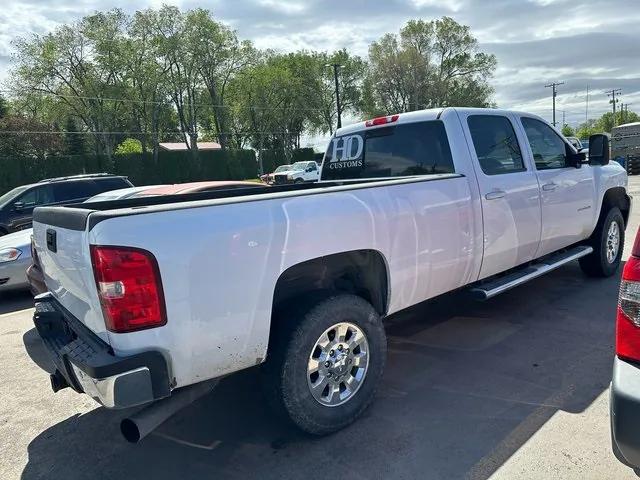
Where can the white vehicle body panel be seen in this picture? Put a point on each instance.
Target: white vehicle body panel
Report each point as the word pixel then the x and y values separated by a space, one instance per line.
pixel 220 259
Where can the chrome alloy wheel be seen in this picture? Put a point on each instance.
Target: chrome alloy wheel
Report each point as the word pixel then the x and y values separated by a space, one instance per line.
pixel 338 364
pixel 613 242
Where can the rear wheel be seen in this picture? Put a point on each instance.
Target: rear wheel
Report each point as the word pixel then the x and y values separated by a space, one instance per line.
pixel 325 363
pixel 608 242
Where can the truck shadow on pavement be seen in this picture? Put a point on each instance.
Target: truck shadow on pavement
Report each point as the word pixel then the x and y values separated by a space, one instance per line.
pixel 15 301
pixel 466 385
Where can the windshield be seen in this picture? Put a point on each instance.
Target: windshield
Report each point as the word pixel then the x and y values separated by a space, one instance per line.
pixel 11 194
pixel 282 168
pixel 299 166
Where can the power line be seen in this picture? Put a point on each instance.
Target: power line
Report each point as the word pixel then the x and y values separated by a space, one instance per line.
pixel 165 102
pixel 555 93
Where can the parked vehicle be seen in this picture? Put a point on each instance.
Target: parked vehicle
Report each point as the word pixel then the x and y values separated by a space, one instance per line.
pixel 300 172
pixel 15 258
pixel 195 187
pixel 575 142
pixel 268 178
pixel 625 146
pixel 625 385
pixel 16 206
pixel 171 292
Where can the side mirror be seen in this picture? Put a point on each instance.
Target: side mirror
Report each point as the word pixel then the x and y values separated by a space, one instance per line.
pixel 599 152
pixel 18 206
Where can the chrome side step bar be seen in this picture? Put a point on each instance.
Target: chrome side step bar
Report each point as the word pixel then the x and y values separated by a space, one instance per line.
pixel 491 288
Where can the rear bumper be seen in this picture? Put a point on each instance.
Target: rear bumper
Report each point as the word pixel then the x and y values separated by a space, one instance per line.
pixel 87 364
pixel 625 412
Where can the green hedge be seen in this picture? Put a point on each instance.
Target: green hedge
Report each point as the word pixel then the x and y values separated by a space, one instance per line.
pixel 171 167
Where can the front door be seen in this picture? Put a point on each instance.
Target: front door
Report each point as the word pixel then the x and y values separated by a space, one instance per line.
pixel 567 192
pixel 509 191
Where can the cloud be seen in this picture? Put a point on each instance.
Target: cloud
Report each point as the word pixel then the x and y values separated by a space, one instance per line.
pixel 591 42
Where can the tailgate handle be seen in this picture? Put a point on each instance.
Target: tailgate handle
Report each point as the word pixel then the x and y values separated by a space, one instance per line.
pixel 52 243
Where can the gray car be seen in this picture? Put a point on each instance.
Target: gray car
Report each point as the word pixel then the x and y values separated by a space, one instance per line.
pixel 15 258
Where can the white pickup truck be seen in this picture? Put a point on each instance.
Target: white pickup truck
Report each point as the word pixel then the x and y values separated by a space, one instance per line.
pixel 149 296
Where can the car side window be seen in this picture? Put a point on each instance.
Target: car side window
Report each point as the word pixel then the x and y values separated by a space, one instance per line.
pixel 496 144
pixel 79 190
pixel 36 196
pixel 313 167
pixel 548 148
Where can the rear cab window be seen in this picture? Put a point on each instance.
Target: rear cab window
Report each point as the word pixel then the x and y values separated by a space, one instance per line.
pixel 419 148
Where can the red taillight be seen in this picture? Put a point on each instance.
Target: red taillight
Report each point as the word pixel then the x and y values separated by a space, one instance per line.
pixel 129 288
pixel 628 316
pixel 381 120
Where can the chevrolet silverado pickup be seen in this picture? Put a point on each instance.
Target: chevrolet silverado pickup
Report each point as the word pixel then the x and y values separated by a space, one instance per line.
pixel 151 297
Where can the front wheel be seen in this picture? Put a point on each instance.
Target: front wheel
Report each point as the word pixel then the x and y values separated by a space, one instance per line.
pixel 298 180
pixel 325 363
pixel 608 243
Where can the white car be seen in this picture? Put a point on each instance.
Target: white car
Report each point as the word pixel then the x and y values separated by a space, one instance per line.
pixel 299 172
pixel 159 295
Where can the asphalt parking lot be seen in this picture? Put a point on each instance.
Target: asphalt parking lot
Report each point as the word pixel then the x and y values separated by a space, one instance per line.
pixel 515 387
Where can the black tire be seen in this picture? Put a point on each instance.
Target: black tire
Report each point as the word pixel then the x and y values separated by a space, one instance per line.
pixel 596 264
pixel 285 375
pixel 298 180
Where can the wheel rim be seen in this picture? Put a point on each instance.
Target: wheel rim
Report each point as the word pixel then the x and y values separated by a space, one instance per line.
pixel 613 242
pixel 338 364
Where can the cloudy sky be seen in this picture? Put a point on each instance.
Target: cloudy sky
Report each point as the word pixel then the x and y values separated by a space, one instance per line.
pixel 593 43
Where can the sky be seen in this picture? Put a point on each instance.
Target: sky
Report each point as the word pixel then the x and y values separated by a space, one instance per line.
pixel 589 43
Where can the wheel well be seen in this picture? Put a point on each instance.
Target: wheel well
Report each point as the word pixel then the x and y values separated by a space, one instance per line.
pixel 361 272
pixel 616 197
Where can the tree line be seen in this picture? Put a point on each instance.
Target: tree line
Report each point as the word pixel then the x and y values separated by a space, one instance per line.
pixel 116 82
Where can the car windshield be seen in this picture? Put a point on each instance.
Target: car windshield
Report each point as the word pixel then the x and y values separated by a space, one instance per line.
pixel 299 166
pixel 11 194
pixel 282 168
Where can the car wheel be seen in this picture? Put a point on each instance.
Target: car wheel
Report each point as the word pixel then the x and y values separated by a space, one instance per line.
pixel 608 242
pixel 325 362
pixel 298 180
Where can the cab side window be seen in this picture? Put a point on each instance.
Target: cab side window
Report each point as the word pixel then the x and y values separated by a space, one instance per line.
pixel 549 150
pixel 496 145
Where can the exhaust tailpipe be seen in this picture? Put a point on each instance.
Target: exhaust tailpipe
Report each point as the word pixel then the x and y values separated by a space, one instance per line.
pixel 145 421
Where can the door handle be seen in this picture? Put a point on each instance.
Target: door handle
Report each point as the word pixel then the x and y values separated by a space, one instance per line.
pixel 549 187
pixel 495 194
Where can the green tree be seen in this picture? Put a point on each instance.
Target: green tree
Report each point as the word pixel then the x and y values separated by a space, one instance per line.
pixel 568 131
pixel 74 140
pixel 586 129
pixel 428 64
pixel 129 145
pixel 4 107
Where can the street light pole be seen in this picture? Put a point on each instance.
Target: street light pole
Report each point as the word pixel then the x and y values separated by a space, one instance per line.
pixel 336 66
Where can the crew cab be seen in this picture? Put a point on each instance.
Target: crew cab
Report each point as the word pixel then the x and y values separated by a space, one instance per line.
pixel 299 172
pixel 151 297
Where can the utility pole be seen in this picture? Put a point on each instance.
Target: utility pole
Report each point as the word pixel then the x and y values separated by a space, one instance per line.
pixel 612 93
pixel 336 66
pixel 563 117
pixel 555 93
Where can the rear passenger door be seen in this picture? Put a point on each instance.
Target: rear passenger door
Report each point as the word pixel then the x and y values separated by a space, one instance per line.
pixel 567 192
pixel 509 192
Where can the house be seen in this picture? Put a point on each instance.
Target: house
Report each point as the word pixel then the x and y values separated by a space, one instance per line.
pixel 182 147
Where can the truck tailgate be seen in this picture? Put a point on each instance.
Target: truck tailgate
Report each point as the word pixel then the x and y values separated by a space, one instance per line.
pixel 66 263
